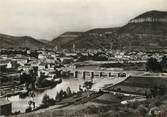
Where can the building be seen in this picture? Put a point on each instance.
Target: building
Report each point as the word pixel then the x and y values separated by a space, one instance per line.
pixel 12 65
pixel 41 56
pixel 5 107
pixel 66 60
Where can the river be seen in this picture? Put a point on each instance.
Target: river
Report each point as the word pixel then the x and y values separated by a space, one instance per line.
pixel 19 104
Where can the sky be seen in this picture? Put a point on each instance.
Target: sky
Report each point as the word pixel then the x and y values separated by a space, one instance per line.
pixel 47 19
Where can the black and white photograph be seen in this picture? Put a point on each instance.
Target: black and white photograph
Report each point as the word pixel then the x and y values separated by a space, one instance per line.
pixel 83 58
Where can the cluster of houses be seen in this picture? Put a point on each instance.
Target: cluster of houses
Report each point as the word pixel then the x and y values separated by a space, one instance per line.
pixel 47 61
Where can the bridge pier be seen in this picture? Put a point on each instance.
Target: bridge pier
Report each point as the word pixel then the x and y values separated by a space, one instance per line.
pixel 84 75
pixel 109 74
pixel 92 74
pixel 101 74
pixel 76 74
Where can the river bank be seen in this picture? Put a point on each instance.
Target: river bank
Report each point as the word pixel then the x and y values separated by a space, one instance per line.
pixel 19 104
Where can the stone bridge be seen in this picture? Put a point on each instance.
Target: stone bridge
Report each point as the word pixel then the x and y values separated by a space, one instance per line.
pixel 90 74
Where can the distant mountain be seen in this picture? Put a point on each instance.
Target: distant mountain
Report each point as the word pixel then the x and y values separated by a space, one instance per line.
pixel 95 38
pixel 102 30
pixel 152 22
pixel 146 31
pixel 90 39
pixel 152 16
pixel 44 41
pixel 7 41
pixel 65 38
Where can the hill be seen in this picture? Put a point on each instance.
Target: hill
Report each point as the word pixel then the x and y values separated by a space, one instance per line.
pixel 95 38
pixel 146 31
pixel 152 22
pixel 8 41
pixel 44 41
pixel 65 38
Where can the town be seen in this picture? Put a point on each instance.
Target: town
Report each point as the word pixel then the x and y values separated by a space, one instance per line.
pixel 34 79
pixel 83 58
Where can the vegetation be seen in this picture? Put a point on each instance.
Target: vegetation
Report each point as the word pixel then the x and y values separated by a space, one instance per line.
pixel 164 63
pixel 63 94
pixel 154 66
pixel 149 108
pixel 28 79
pixel 157 91
pixel 42 82
pixel 47 101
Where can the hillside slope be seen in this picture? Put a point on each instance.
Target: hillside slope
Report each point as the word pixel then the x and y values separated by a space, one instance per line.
pixel 7 41
pixel 95 38
pixel 146 31
pixel 65 38
pixel 152 22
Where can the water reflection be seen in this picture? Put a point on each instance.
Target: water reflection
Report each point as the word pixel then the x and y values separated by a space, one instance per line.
pixel 19 104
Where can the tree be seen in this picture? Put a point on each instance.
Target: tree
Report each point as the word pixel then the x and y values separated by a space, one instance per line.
pixel 68 91
pixel 45 100
pixel 164 62
pixel 58 98
pixel 62 94
pixel 153 65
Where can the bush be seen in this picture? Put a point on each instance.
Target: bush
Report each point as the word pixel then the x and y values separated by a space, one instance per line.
pixel 63 94
pixel 142 110
pixel 68 91
pixel 119 96
pixel 133 105
pixel 47 101
pixel 153 65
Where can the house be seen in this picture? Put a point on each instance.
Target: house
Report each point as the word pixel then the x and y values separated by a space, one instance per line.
pixel 73 66
pixel 12 64
pixel 41 56
pixel 5 107
pixel 70 54
pixel 9 65
pixel 66 60
pixel 21 60
pixel 42 66
pixel 50 60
